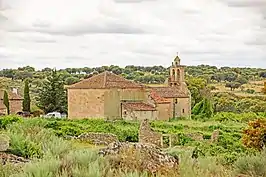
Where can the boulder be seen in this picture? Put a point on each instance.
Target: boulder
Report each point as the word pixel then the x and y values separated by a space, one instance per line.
pixel 4 142
pixel 138 156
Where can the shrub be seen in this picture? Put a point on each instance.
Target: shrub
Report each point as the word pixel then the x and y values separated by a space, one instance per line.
pixel 8 170
pixel 254 136
pixel 31 141
pixel 76 163
pixel 252 165
pixel 6 120
pixel 250 91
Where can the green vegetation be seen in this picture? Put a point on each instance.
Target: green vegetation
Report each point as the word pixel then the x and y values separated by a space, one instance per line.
pixel 6 102
pixel 26 100
pixel 226 99
pixel 199 76
pixel 52 95
pixel 44 142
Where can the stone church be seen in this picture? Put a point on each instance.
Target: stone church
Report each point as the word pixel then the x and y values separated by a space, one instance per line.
pixel 110 96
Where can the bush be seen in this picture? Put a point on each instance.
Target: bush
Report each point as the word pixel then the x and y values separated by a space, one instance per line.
pixel 76 163
pixel 253 165
pixel 255 134
pixel 229 116
pixel 30 141
pixel 6 120
pixel 250 91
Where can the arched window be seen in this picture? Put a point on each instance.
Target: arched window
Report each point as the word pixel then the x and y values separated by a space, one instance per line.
pixel 173 74
pixel 178 75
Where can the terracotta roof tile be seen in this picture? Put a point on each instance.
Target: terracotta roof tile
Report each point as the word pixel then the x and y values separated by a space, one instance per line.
pixel 138 106
pixel 157 98
pixel 11 96
pixel 170 92
pixel 105 80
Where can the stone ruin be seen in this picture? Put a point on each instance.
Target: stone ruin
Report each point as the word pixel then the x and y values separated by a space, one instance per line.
pixel 97 138
pixel 147 157
pixel 148 136
pixel 195 136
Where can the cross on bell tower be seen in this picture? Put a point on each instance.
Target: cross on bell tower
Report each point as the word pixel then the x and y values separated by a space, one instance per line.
pixel 177 73
pixel 176 61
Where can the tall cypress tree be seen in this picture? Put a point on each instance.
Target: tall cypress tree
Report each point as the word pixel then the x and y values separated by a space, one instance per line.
pixel 6 102
pixel 26 100
pixel 52 95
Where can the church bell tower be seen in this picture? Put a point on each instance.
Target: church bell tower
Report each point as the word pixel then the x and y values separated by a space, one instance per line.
pixel 177 73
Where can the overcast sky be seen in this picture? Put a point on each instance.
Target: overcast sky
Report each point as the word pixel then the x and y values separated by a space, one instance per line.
pixel 79 33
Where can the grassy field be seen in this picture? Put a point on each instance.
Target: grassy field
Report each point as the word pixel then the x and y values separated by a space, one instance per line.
pixel 253 85
pixel 43 141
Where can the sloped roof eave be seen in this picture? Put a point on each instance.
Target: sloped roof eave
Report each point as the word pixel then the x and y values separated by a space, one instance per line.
pixel 105 80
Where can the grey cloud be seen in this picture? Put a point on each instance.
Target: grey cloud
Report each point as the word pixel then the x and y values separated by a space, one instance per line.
pixel 191 12
pixel 4 5
pixel 194 52
pixel 71 58
pixel 257 42
pixel 245 3
pixel 2 18
pixel 44 41
pixel 41 24
pixel 154 52
pixel 113 28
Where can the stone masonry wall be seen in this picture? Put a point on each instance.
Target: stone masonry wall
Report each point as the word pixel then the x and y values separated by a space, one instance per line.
pixel 147 135
pixel 15 106
pixel 85 103
pixel 163 111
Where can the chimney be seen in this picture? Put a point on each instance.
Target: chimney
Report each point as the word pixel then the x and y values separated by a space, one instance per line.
pixel 15 90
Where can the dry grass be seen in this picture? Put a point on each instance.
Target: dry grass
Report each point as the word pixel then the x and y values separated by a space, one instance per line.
pixel 254 85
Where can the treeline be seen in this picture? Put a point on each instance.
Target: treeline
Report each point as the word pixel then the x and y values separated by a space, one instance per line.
pixel 148 75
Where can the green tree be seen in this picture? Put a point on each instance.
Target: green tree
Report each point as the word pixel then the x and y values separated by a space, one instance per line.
pixel 52 95
pixel 198 89
pixel 204 109
pixel 26 100
pixel 6 102
pixel 233 85
pixel 71 80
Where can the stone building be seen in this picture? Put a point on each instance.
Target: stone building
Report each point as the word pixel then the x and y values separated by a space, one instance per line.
pixel 110 96
pixel 15 102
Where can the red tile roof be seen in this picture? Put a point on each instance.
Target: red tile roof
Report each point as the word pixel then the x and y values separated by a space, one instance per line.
pixel 11 96
pixel 105 80
pixel 138 106
pixel 157 98
pixel 169 92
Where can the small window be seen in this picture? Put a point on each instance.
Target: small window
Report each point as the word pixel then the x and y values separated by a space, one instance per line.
pixel 183 110
pixel 125 112
pixel 176 101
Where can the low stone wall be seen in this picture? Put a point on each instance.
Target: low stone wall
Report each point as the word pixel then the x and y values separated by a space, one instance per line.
pixel 98 138
pixel 195 136
pixel 147 135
